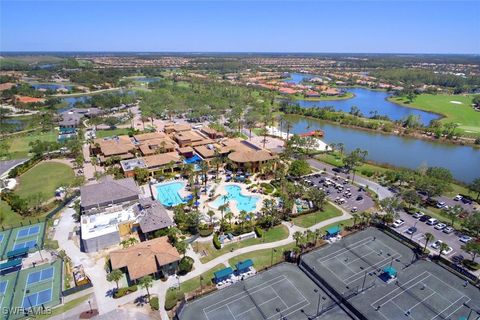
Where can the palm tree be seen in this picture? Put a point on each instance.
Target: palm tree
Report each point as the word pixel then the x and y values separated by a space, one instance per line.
pixel 297 236
pixel 229 217
pixel 428 238
pixel 355 217
pixel 210 213
pixel 94 162
pixel 318 234
pixel 115 276
pixel 341 148
pixel 223 207
pixel 146 282
pixel 243 218
pixel 367 216
pixel 443 247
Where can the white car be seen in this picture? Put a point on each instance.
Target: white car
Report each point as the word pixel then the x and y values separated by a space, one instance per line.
pixel 418 215
pixel 446 251
pixel 448 230
pixel 441 204
pixel 398 223
pixel 432 221
pixel 440 226
pixel 458 197
pixel 436 244
pixel 465 238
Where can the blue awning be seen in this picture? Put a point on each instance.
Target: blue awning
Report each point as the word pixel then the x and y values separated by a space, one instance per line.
pixel 10 264
pixel 223 274
pixel 333 230
pixel 18 252
pixel 244 265
pixel 391 271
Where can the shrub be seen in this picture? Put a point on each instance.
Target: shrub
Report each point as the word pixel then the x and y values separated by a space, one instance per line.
pixel 185 265
pixel 267 187
pixel 154 303
pixel 124 291
pixel 258 231
pixel 205 232
pixel 471 265
pixel 216 242
pixel 173 295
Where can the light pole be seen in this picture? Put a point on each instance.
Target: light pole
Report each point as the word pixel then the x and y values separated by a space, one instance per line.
pixel 364 278
pixel 271 260
pixel 29 301
pixel 411 236
pixel 319 301
pixel 90 305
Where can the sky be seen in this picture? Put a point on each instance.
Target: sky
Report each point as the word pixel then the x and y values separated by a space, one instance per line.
pixel 241 26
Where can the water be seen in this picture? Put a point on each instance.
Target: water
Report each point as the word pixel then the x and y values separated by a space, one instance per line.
pixel 193 159
pixel 168 194
pixel 84 98
pixel 462 161
pixel 368 101
pixel 242 202
pixel 50 86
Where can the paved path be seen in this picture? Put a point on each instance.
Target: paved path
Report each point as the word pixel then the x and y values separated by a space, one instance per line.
pixel 382 191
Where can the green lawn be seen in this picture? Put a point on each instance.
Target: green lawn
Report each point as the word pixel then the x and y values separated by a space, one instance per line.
pixel 19 146
pixel 346 96
pixel 310 219
pixel 463 114
pixel 8 217
pixel 263 258
pixel 113 132
pixel 67 306
pixel 45 177
pixel 276 233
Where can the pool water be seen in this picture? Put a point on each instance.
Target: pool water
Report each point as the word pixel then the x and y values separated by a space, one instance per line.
pixel 193 159
pixel 168 194
pixel 242 202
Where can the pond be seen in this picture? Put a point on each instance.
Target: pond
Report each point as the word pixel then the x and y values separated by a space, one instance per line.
pixel 84 98
pixel 50 86
pixel 462 161
pixel 369 102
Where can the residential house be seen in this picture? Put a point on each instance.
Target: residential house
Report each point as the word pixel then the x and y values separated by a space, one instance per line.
pixel 156 257
pixel 151 216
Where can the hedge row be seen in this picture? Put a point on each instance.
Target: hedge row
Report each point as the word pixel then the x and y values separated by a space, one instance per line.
pixel 172 297
pixel 24 167
pixel 258 231
pixel 124 291
pixel 216 242
pixel 205 232
pixel 154 303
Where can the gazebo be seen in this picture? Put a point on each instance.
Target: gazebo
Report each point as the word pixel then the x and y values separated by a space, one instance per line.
pixel 244 266
pixel 223 274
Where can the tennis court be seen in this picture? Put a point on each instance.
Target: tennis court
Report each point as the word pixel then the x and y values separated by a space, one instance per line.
pixel 24 237
pixel 6 291
pixel 4 236
pixel 422 290
pixel 282 292
pixel 38 287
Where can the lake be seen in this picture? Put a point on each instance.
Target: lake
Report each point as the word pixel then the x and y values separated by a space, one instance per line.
pixel 462 161
pixel 50 86
pixel 368 101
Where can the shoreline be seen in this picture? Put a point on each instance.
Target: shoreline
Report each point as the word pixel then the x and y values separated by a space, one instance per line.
pixel 412 136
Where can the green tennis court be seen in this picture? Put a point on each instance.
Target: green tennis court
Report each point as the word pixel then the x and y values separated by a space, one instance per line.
pixel 37 288
pixel 22 237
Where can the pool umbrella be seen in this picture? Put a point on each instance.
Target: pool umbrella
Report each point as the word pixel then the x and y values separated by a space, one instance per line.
pixel 196 203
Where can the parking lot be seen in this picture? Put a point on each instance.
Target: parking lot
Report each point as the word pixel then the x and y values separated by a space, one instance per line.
pixel 341 191
pixel 452 239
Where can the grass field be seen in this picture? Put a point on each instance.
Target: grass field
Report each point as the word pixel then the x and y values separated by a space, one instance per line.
pixel 347 95
pixel 45 177
pixel 19 146
pixel 110 133
pixel 276 233
pixel 467 118
pixel 263 258
pixel 310 219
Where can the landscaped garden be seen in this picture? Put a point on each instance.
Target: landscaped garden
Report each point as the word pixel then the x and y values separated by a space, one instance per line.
pixel 310 219
pixel 276 233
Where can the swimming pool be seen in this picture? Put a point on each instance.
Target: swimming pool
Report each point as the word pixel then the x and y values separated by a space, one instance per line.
pixel 168 195
pixel 193 159
pixel 243 203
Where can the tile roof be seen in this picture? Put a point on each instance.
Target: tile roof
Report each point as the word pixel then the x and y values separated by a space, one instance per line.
pixel 152 215
pixel 161 159
pixel 251 156
pixel 143 258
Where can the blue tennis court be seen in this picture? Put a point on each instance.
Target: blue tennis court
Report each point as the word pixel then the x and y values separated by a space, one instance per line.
pixel 27 244
pixel 3 286
pixel 41 275
pixel 27 232
pixel 37 298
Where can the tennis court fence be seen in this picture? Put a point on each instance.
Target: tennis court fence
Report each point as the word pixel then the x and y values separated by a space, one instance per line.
pixel 339 298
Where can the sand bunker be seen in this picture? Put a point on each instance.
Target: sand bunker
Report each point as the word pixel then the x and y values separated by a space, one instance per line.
pixel 456 102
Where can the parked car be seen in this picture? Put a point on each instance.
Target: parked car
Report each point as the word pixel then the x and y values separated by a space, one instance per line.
pixel 418 215
pixel 458 259
pixel 448 230
pixel 424 218
pixel 436 244
pixel 440 226
pixel 354 209
pixel 432 221
pixel 411 230
pixel 440 204
pixel 466 200
pixel 398 223
pixel 448 250
pixel 359 197
pixel 458 197
pixel 465 239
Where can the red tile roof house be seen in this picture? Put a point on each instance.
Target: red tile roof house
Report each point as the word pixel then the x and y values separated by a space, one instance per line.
pixel 155 257
pixel 312 94
pixel 26 100
pixel 287 91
